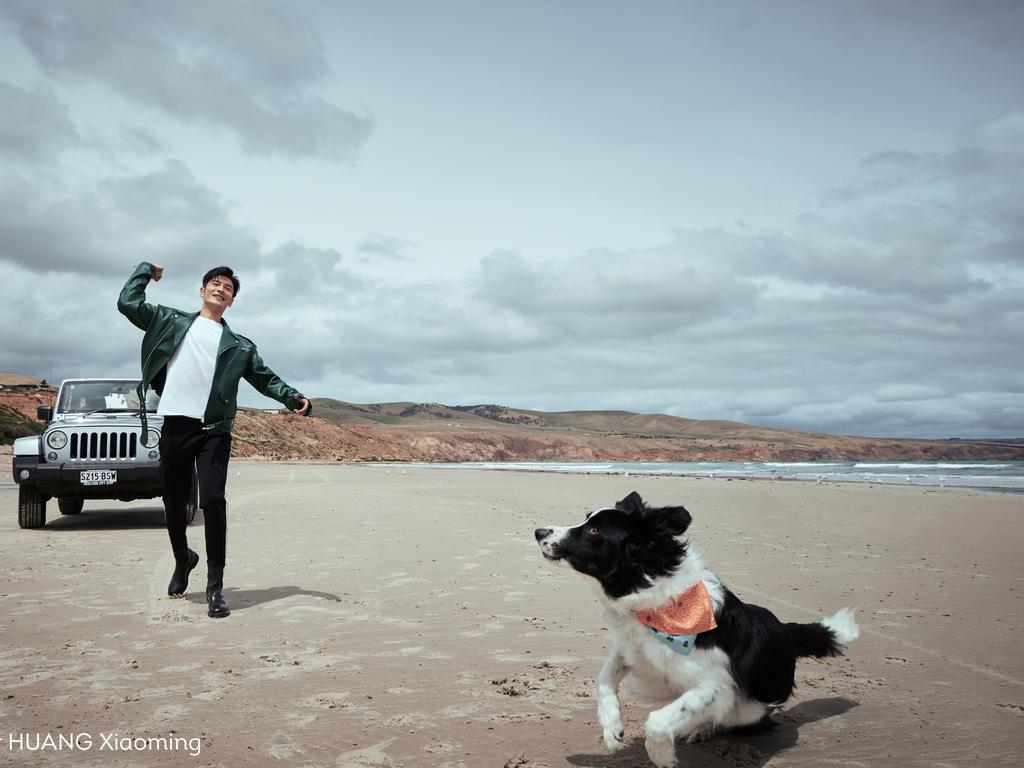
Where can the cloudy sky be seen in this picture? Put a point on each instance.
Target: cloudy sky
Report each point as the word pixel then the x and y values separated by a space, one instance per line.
pixel 795 214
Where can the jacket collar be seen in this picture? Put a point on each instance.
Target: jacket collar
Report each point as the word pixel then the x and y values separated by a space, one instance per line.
pixel 228 338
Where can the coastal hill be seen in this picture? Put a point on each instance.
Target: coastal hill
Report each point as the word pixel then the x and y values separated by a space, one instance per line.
pixel 407 431
pixel 436 432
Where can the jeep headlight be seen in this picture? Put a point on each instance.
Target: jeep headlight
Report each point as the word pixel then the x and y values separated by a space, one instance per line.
pixel 56 439
pixel 152 439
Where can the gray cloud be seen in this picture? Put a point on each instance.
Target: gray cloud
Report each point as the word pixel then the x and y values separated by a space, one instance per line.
pixel 69 325
pixel 991 22
pixel 165 216
pixel 67 244
pixel 247 67
pixel 385 246
pixel 300 270
pixel 142 142
pixel 607 294
pixel 980 183
pixel 37 123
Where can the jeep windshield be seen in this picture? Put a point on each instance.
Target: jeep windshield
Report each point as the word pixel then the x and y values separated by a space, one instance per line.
pixel 103 396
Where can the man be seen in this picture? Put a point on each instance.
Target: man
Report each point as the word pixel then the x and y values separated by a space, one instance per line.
pixel 194 361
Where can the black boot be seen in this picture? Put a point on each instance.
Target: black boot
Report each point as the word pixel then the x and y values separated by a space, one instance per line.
pixel 184 561
pixel 218 607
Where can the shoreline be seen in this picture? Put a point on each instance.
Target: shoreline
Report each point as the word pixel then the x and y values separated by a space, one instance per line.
pixel 692 476
pixel 6 480
pixel 455 466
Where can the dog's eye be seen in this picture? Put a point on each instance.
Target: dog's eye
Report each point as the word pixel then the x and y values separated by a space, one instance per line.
pixel 592 530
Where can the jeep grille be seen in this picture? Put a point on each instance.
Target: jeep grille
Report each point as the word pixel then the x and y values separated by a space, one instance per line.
pixel 103 445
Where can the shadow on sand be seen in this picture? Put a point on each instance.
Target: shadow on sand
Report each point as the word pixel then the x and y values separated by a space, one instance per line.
pixel 108 518
pixel 748 749
pixel 240 599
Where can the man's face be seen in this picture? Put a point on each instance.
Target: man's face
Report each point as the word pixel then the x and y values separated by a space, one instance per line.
pixel 218 293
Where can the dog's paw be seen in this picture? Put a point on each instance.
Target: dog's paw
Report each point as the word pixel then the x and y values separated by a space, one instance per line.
pixel 662 752
pixel 660 739
pixel 614 737
pixel 610 718
pixel 700 735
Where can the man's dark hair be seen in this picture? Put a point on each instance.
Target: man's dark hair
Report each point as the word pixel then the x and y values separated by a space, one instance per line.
pixel 222 272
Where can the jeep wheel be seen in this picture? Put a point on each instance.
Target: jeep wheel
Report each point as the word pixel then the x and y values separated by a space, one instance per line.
pixel 69 505
pixel 31 507
pixel 193 500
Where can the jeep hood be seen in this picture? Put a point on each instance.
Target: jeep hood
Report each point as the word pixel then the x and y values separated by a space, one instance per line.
pixel 82 421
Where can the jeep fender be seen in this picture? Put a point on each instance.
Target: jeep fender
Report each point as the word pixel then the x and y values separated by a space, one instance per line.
pixel 29 446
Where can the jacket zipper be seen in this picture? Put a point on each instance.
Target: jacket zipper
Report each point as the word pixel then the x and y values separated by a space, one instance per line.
pixel 219 392
pixel 142 386
pixel 146 361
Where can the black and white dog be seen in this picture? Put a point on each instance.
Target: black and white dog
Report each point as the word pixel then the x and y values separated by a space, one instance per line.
pixel 684 637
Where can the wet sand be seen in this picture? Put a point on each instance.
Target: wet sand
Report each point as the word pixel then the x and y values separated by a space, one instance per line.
pixel 390 618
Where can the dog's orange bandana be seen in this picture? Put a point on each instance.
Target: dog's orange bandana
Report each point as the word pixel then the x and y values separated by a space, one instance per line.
pixel 687 614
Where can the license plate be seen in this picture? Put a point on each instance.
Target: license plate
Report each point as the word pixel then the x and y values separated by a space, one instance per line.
pixel 98 476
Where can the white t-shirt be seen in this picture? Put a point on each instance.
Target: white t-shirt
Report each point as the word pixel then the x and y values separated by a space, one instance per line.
pixel 190 371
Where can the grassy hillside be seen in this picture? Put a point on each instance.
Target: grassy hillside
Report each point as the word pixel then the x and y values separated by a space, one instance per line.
pixel 437 432
pixel 623 423
pixel 409 414
pixel 14 425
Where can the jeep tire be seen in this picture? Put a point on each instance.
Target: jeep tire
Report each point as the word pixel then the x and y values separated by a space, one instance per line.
pixel 31 507
pixel 193 500
pixel 70 505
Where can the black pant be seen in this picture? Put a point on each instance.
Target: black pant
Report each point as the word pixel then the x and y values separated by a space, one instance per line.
pixel 185 445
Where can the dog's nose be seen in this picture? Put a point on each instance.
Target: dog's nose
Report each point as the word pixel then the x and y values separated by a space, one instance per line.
pixel 542 533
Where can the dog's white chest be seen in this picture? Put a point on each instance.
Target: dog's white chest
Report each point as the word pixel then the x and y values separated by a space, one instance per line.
pixel 660 670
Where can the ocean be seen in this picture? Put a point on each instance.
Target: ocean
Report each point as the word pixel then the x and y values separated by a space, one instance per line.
pixel 1001 475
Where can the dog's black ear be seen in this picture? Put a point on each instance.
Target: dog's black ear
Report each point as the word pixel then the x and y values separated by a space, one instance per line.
pixel 675 519
pixel 632 503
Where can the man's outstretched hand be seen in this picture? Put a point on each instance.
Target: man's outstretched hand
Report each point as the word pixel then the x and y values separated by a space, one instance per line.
pixel 305 406
pixel 158 272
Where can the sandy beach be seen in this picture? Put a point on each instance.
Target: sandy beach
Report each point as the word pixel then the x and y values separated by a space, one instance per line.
pixel 384 617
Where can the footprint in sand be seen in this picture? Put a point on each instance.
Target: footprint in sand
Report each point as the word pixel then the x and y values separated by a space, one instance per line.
pixel 423 653
pixel 284 746
pixel 192 641
pixel 402 581
pixel 491 626
pixel 442 747
pixel 740 755
pixel 460 711
pixel 419 720
pixel 367 756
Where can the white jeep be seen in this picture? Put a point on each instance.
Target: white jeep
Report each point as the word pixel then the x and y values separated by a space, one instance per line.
pixel 91 449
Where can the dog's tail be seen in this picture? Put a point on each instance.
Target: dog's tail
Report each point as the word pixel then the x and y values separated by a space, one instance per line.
pixel 826 637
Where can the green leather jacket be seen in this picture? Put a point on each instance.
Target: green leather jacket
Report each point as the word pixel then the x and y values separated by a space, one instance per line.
pixel 237 357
